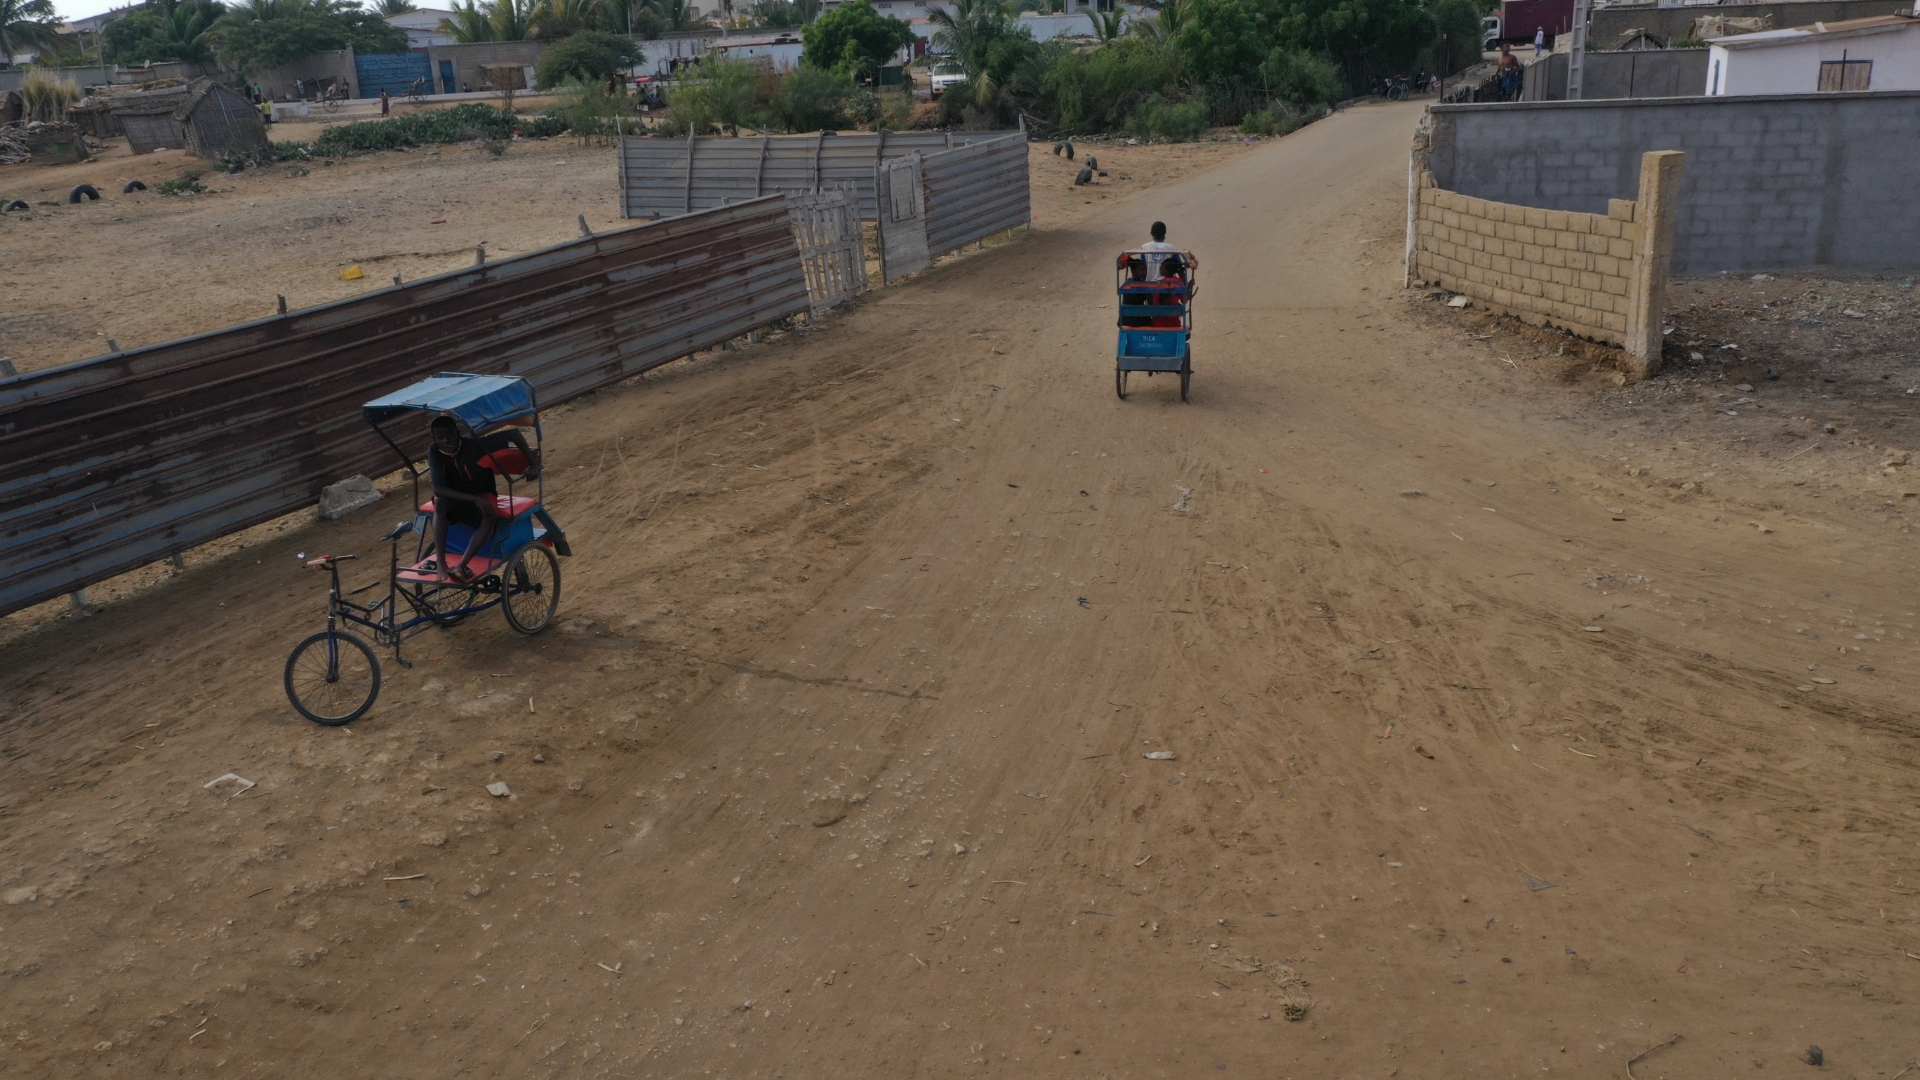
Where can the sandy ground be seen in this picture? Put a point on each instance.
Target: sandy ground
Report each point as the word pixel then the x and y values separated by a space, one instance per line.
pixel 142 268
pixel 1497 756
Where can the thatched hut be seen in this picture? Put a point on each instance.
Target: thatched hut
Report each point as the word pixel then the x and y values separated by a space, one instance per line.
pixel 147 116
pixel 94 114
pixel 219 122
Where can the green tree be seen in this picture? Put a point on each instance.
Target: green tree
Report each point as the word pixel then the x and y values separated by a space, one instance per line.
pixel 1097 91
pixel 983 40
pixel 1300 77
pixel 1221 43
pixel 720 94
pixel 387 9
pixel 555 19
pixel 854 40
pixel 1351 32
pixel 162 31
pixel 589 56
pixel 675 15
pixel 810 99
pixel 489 20
pixel 28 25
pixel 1456 26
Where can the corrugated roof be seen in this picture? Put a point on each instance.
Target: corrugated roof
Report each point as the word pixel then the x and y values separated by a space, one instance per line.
pixel 1875 25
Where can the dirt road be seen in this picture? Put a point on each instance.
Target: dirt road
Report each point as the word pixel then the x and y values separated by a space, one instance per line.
pixel 1505 762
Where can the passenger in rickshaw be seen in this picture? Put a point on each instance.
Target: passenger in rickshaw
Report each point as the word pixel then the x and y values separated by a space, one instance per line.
pixel 1173 275
pixel 462 470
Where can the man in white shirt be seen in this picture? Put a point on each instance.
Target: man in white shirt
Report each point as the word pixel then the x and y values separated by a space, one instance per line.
pixel 1158 243
pixel 1539 41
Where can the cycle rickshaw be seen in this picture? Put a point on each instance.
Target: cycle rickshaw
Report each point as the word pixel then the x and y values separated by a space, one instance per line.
pixel 1156 290
pixel 333 676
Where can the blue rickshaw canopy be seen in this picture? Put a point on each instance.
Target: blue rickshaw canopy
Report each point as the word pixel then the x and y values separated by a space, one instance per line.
pixel 481 402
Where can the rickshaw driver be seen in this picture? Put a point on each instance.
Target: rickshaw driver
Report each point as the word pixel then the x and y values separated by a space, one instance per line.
pixel 462 474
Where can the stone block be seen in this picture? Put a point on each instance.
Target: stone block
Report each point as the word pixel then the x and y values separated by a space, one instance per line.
pixel 339 500
pixel 1621 248
pixel 1620 209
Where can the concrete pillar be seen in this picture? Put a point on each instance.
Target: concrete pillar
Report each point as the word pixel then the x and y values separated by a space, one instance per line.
pixel 1653 252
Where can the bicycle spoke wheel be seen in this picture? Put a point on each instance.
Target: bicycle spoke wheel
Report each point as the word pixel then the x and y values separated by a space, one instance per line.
pixel 1120 384
pixel 530 588
pixel 442 603
pixel 332 678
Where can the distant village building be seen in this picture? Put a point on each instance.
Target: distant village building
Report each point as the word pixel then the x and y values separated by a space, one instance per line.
pixel 422 26
pixel 1880 53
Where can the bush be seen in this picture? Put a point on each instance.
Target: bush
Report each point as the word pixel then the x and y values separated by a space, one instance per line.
pixel 1279 120
pixel 187 183
pixel 1170 121
pixel 1098 91
pixel 810 99
pixel 1688 43
pixel 594 118
pixel 46 97
pixel 1301 78
pixel 589 56
pixel 723 95
pixel 429 128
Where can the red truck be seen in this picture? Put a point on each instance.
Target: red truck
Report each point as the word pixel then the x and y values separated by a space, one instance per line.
pixel 1520 18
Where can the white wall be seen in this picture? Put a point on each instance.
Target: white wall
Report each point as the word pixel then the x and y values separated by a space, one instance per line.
pixel 1794 67
pixel 784 56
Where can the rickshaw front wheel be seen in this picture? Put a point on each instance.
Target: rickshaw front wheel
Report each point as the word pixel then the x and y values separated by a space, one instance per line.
pixel 1186 372
pixel 530 588
pixel 332 678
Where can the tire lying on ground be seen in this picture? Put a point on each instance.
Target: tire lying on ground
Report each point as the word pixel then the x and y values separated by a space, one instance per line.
pixel 133 186
pixel 1085 177
pixel 7 206
pixel 83 191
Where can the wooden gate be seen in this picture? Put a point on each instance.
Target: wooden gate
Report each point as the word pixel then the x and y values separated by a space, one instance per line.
pixel 826 225
pixel 901 201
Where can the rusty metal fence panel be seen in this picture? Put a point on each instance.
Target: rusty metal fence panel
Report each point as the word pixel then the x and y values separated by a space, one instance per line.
pixel 976 191
pixel 832 247
pixel 662 177
pixel 113 463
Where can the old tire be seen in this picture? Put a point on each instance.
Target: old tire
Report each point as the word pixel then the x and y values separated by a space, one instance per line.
pixel 12 205
pixel 133 186
pixel 85 191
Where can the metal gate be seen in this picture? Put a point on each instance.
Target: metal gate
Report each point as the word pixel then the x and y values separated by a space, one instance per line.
pixel 900 197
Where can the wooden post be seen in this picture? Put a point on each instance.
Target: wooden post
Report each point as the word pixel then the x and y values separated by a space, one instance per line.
pixel 1653 252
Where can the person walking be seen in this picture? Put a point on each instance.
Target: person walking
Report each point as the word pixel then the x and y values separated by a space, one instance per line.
pixel 1509 72
pixel 1539 41
pixel 386 104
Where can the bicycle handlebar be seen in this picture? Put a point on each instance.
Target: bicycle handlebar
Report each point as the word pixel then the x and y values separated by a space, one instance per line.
pixel 328 560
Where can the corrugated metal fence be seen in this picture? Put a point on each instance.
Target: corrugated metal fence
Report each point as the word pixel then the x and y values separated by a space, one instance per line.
pixel 975 192
pixel 113 463
pixel 659 177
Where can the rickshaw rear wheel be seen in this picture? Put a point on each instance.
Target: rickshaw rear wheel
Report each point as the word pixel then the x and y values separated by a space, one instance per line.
pixel 1120 383
pixel 332 678
pixel 530 588
pixel 1186 372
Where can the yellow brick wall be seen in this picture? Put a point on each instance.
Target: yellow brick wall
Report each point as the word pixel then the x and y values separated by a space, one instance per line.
pixel 1548 267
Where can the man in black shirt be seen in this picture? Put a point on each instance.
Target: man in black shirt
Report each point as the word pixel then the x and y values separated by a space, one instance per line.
pixel 462 470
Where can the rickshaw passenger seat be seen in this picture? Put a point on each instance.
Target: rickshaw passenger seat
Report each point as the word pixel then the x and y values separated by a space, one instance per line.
pixel 514 507
pixel 508 460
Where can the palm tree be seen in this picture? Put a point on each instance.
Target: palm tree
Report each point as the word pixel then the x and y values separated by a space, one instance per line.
pixel 1165 26
pixel 512 19
pixel 28 24
pixel 189 29
pixel 674 14
pixel 469 24
pixel 387 9
pixel 555 19
pixel 1108 25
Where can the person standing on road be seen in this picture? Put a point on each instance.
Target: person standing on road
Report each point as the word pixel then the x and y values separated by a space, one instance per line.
pixel 1539 41
pixel 386 103
pixel 1509 71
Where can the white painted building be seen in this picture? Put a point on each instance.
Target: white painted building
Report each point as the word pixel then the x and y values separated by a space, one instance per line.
pixel 423 27
pixel 1880 53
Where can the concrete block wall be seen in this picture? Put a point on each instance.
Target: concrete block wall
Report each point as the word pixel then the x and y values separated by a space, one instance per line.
pixel 1777 182
pixel 1549 267
pixel 1666 23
